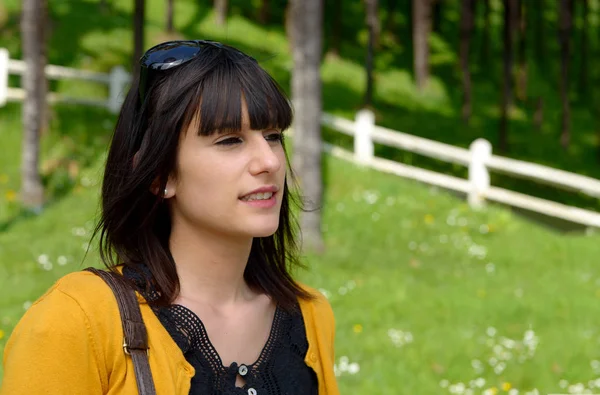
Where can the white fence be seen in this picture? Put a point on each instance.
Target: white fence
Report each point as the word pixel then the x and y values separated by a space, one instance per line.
pixel 116 80
pixel 479 158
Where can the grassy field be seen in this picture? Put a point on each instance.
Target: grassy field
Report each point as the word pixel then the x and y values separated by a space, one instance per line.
pixel 430 297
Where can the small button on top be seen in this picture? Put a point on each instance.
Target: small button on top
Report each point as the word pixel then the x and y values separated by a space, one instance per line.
pixel 243 370
pixel 251 391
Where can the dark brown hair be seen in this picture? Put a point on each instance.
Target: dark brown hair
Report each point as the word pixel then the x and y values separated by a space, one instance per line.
pixel 135 224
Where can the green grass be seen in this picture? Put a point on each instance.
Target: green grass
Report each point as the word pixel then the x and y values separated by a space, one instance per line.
pixel 401 257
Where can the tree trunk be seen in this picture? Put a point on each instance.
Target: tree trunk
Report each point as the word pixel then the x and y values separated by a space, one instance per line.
pixel 389 25
pixel 538 115
pixel 336 36
pixel 373 26
pixel 436 6
pixel 138 34
pixel 306 23
pixel 522 49
pixel 540 47
pixel 421 29
pixel 220 12
pixel 485 37
pixel 263 14
pixel 565 28
pixel 169 16
pixel 584 51
pixel 467 23
pixel 33 26
pixel 510 16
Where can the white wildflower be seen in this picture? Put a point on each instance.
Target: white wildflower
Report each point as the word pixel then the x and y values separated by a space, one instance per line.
pixel 499 368
pixel 371 197
pixel 479 382
pixel 576 388
pixel 563 384
pixel 353 368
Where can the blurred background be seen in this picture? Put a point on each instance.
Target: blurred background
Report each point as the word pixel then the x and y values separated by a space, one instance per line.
pixel 453 146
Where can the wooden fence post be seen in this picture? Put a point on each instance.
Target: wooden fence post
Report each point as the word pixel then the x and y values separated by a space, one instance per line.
pixel 479 176
pixel 3 76
pixel 363 145
pixel 119 78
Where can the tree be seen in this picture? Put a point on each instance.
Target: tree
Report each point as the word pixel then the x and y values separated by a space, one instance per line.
pixel 389 25
pixel 467 23
pixel 565 27
pixel 306 24
pixel 336 34
pixel 374 30
pixel 584 49
pixel 220 12
pixel 540 48
pixel 169 16
pixel 263 13
pixel 510 17
pixel 33 27
pixel 421 29
pixel 521 52
pixel 485 37
pixel 138 34
pixel 436 19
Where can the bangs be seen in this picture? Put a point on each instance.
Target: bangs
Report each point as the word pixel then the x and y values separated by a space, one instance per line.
pixel 235 80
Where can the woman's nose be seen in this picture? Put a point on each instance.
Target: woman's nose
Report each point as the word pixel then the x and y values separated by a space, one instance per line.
pixel 264 157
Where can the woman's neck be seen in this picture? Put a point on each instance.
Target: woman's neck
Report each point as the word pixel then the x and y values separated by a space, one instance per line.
pixel 210 266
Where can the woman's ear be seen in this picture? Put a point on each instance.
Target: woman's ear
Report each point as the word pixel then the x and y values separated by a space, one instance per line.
pixel 167 192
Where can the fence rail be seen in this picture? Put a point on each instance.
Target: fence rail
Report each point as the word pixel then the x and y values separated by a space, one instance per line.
pixel 116 82
pixel 478 158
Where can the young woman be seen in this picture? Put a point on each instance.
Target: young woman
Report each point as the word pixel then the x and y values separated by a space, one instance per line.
pixel 196 217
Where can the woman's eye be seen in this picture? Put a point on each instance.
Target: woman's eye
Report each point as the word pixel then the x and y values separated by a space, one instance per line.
pixel 275 137
pixel 230 141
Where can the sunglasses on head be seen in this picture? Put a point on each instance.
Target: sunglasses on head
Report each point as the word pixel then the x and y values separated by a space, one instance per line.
pixel 167 56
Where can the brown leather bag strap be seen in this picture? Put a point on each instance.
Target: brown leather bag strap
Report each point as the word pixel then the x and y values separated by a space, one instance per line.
pixel 136 337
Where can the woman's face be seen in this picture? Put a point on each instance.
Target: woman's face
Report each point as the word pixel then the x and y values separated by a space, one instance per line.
pixel 230 183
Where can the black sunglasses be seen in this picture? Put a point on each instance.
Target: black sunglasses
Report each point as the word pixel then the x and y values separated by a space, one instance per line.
pixel 169 55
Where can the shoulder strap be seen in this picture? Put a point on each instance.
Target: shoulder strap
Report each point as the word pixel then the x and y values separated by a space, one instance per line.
pixel 136 336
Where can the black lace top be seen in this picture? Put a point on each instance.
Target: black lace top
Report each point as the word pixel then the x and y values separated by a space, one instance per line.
pixel 279 370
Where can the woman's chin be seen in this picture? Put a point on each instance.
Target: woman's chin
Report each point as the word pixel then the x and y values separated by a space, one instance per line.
pixel 265 230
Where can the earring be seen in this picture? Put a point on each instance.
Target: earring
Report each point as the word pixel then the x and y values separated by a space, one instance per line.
pixel 165 192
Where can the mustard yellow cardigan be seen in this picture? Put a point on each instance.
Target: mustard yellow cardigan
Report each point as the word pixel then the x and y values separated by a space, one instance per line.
pixel 70 342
